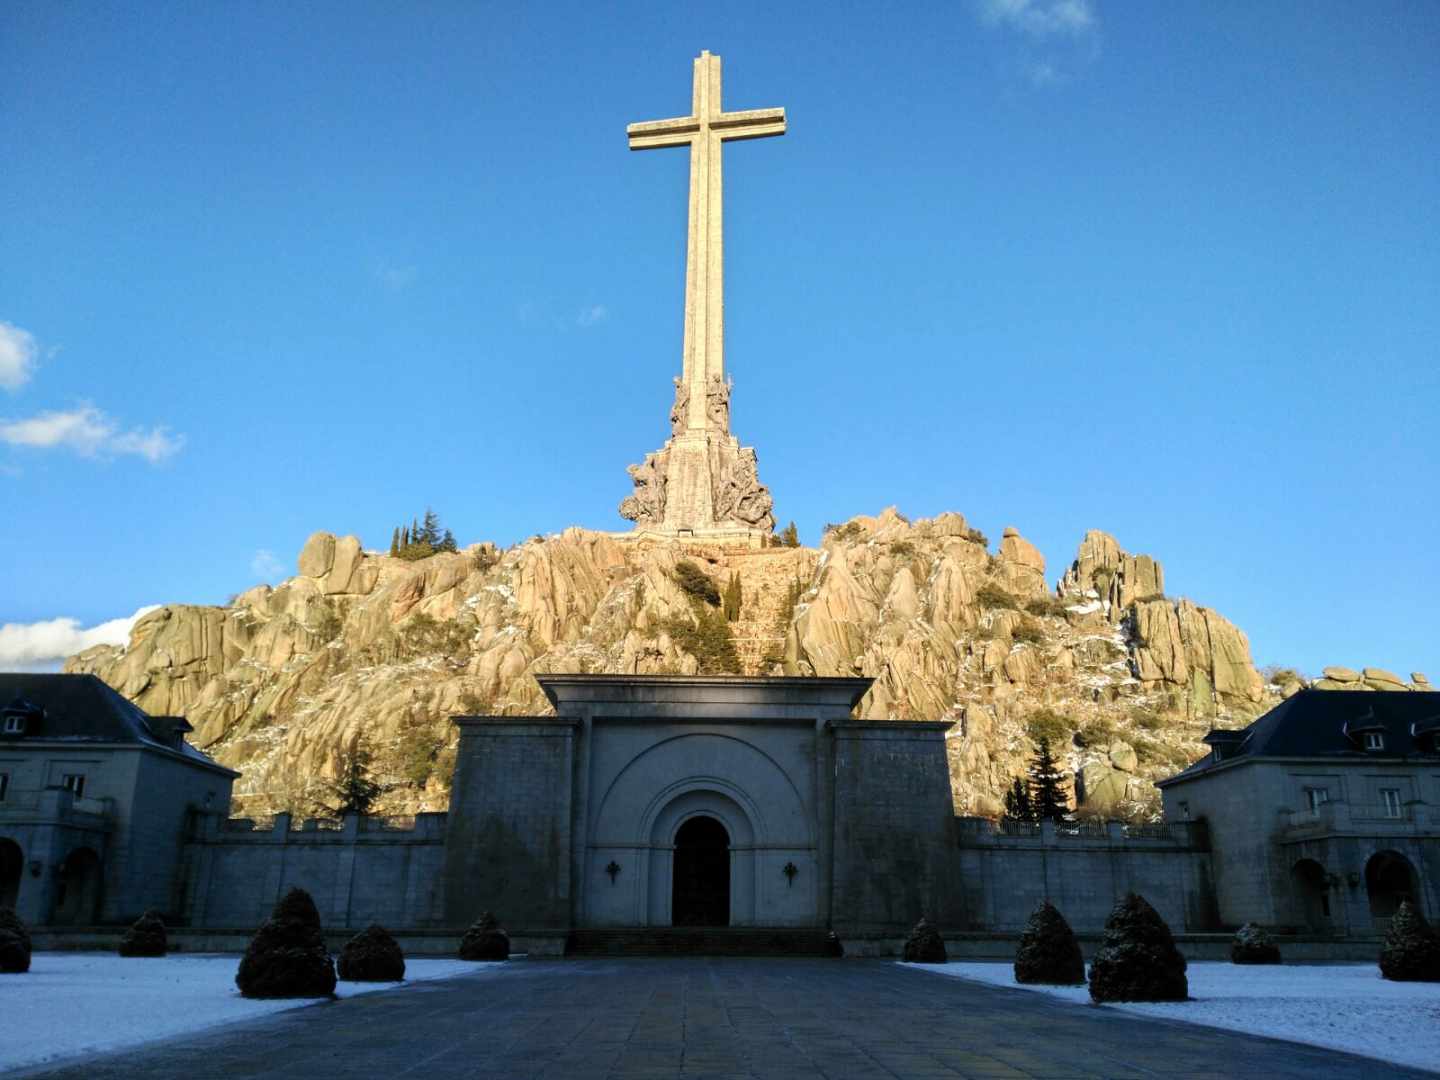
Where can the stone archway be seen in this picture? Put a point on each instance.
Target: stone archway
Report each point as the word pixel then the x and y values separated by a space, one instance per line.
pixel 78 897
pixel 1312 894
pixel 702 840
pixel 700 881
pixel 12 863
pixel 1389 879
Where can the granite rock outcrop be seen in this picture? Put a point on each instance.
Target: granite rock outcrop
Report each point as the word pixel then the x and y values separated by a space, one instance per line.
pixel 281 680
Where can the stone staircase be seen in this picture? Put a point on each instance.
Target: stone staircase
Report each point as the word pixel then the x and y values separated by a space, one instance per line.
pixel 697 941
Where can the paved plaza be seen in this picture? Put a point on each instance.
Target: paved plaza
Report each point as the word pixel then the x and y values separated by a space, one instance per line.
pixel 714 1018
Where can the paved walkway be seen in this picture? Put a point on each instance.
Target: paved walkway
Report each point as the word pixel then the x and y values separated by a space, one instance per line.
pixel 697 1018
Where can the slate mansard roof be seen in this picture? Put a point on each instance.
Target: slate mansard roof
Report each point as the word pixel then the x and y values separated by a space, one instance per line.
pixel 1331 724
pixel 82 708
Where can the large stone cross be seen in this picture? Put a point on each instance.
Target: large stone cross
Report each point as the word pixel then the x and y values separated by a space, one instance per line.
pixel 703 131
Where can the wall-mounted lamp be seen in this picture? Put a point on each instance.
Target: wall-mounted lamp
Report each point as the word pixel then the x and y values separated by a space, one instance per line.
pixel 36 867
pixel 790 870
pixel 613 870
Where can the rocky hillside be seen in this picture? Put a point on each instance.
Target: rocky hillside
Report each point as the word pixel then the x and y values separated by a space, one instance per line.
pixel 282 682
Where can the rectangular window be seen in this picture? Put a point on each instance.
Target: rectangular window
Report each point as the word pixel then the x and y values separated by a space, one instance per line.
pixel 14 725
pixel 74 782
pixel 1316 797
pixel 4 785
pixel 1374 740
pixel 1390 800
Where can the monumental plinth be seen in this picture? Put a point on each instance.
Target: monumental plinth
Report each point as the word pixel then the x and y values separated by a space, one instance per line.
pixel 702 483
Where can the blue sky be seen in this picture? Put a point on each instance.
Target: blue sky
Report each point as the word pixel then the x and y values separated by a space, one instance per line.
pixel 1167 270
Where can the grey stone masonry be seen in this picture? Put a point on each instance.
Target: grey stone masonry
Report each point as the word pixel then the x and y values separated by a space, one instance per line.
pixel 510 815
pixel 359 870
pixel 894 846
pixel 1009 867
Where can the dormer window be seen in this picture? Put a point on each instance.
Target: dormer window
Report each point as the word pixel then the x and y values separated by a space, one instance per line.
pixel 1374 740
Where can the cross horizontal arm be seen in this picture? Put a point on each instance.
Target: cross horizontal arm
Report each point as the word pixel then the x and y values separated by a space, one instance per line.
pixel 750 124
pixel 654 133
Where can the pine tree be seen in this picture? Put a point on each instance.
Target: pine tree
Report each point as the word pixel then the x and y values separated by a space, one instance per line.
pixel 791 536
pixel 395 542
pixel 355 789
pixel 404 538
pixel 447 542
pixel 1047 785
pixel 430 531
pixel 731 603
pixel 1018 806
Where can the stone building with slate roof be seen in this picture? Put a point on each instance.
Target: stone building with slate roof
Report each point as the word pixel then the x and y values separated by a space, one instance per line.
pixel 95 801
pixel 1324 813
pixel 653 805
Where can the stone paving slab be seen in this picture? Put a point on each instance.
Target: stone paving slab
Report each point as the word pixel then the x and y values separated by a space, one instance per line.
pixel 715 1019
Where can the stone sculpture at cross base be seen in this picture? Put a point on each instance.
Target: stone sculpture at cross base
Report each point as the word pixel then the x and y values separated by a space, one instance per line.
pixel 373 955
pixel 1048 952
pixel 924 945
pixel 1138 960
pixel 485 940
pixel 1253 945
pixel 287 956
pixel 1412 949
pixel 146 937
pixel 14 944
pixel 702 483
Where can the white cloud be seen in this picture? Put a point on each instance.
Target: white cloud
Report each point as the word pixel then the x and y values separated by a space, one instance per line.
pixel 17 356
pixel 40 646
pixel 1040 18
pixel 265 566
pixel 593 314
pixel 90 433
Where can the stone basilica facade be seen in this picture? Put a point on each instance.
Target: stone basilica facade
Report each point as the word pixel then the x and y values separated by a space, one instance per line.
pixel 665 804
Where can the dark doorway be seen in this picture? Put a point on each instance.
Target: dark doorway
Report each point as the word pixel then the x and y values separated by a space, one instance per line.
pixel 1389 879
pixel 78 896
pixel 1313 893
pixel 701 894
pixel 11 863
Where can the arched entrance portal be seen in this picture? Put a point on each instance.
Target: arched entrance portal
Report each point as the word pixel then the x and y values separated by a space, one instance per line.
pixel 1307 877
pixel 11 863
pixel 1389 879
pixel 701 881
pixel 78 897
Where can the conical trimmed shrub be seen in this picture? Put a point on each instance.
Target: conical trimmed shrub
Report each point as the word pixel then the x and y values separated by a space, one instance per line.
pixel 14 944
pixel 1048 952
pixel 1412 950
pixel 924 945
pixel 373 955
pixel 485 940
pixel 287 955
pixel 1138 960
pixel 146 937
pixel 1253 945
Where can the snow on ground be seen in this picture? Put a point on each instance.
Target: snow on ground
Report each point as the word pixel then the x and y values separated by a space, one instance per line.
pixel 86 1003
pixel 1338 1006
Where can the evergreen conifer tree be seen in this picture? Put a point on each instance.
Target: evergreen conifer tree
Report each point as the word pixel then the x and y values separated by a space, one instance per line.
pixel 430 531
pixel 355 789
pixel 1047 785
pixel 404 538
pixel 791 536
pixel 1018 806
pixel 395 542
pixel 447 542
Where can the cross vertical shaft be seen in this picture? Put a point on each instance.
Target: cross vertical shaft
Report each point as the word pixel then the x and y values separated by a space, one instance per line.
pixel 704 131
